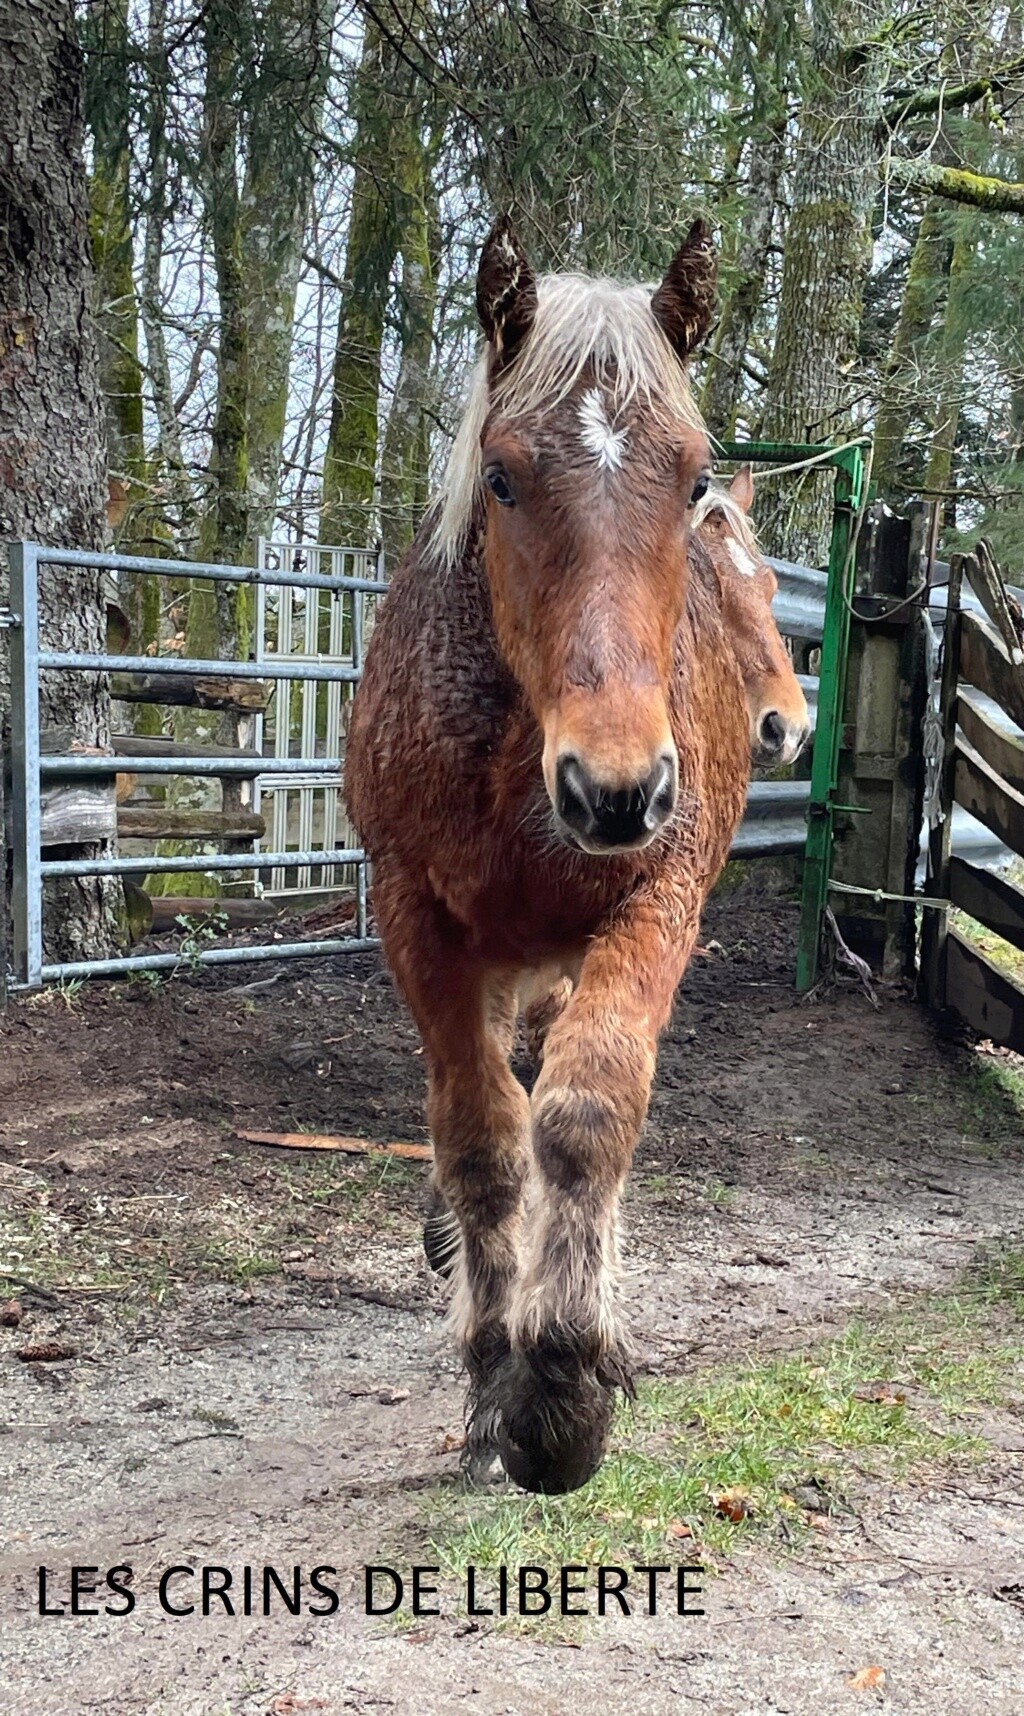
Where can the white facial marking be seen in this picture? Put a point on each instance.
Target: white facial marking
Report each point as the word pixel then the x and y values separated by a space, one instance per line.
pixel 742 561
pixel 599 438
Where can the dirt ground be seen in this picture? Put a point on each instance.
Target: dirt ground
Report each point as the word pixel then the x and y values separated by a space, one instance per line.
pixel 261 1374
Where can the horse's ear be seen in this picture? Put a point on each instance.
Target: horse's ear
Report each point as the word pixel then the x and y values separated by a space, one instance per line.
pixel 741 487
pixel 506 291
pixel 684 303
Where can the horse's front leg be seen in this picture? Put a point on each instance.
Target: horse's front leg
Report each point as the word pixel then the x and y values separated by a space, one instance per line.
pixel 569 1352
pixel 479 1122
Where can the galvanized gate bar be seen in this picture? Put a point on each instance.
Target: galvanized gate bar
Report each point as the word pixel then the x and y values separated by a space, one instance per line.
pixel 206 570
pixel 77 764
pixel 151 866
pixel 27 889
pixel 295 668
pixel 209 956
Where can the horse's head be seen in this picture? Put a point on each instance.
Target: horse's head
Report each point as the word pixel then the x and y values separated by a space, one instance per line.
pixel 779 724
pixel 593 457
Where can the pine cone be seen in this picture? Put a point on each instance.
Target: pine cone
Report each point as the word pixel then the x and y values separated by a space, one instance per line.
pixel 44 1352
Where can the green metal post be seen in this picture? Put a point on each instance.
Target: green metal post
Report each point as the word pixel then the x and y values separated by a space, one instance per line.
pixel 831 694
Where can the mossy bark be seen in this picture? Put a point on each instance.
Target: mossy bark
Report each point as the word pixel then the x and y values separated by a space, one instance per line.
pixel 956 326
pixel 827 255
pixel 51 408
pixel 285 111
pixel 404 463
pixel 347 513
pixel 724 388
pixel 902 378
pixel 136 526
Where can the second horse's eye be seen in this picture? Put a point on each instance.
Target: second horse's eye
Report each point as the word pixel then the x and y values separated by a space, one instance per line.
pixel 498 484
pixel 700 489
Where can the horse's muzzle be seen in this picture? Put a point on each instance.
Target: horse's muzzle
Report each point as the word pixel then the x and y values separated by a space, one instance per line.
pixel 778 739
pixel 602 819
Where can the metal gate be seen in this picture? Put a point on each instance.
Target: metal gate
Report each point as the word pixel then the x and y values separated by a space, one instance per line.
pixel 308 717
pixel 29 768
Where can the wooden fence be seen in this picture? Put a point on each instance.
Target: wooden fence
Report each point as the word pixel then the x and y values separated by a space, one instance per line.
pixel 982 770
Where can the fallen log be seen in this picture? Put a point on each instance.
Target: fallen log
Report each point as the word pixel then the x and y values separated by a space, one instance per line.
pixel 157 822
pixel 240 914
pixel 243 696
pixel 336 1141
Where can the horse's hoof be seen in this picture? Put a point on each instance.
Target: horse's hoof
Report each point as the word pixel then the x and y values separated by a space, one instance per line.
pixel 554 1424
pixel 441 1236
pixel 550 1471
pixel 484 1467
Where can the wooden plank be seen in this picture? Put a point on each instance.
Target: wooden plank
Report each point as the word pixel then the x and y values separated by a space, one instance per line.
pixel 241 695
pixel 1001 751
pixel 1002 608
pixel 335 1141
pixel 995 902
pixel 984 997
pixel 985 662
pixel 988 797
pixel 156 822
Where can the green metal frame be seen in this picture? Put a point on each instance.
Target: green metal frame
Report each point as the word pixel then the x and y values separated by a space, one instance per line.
pixel 849 496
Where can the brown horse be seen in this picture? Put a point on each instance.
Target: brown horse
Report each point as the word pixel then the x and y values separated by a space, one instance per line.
pixel 776 705
pixel 548 760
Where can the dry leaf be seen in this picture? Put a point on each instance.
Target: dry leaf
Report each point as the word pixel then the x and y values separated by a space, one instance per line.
pixel 866 1679
pixel 678 1528
pixel 879 1394
pixel 734 1503
pixel 288 1704
pixel 453 1442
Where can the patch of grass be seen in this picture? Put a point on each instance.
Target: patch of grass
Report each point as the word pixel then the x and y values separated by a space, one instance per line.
pixel 718 1193
pixel 131 1247
pixel 995 1090
pixel 1002 953
pixel 884 1400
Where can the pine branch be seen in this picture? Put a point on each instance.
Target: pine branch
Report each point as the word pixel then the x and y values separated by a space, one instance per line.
pixel 946 98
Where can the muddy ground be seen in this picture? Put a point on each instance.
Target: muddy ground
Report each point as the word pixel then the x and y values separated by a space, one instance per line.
pixel 261 1373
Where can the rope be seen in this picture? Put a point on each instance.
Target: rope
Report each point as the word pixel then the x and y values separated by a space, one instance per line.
pixel 880 894
pixel 807 464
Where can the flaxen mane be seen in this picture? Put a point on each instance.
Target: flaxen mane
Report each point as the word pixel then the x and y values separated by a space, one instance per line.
pixel 600 326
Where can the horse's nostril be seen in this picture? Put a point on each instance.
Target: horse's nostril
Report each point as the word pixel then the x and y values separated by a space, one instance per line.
pixel 772 731
pixel 614 817
pixel 660 791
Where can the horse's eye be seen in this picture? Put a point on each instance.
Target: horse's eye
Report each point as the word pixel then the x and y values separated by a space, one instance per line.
pixel 498 484
pixel 700 489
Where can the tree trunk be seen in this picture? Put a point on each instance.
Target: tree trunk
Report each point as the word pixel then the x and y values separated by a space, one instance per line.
pixel 404 465
pixel 902 381
pixel 724 388
pixel 350 462
pixel 52 482
pixel 828 251
pixel 286 110
pixel 107 112
pixel 955 328
pixel 136 527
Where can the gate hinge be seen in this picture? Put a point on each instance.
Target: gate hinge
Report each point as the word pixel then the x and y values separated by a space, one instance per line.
pixel 8 620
